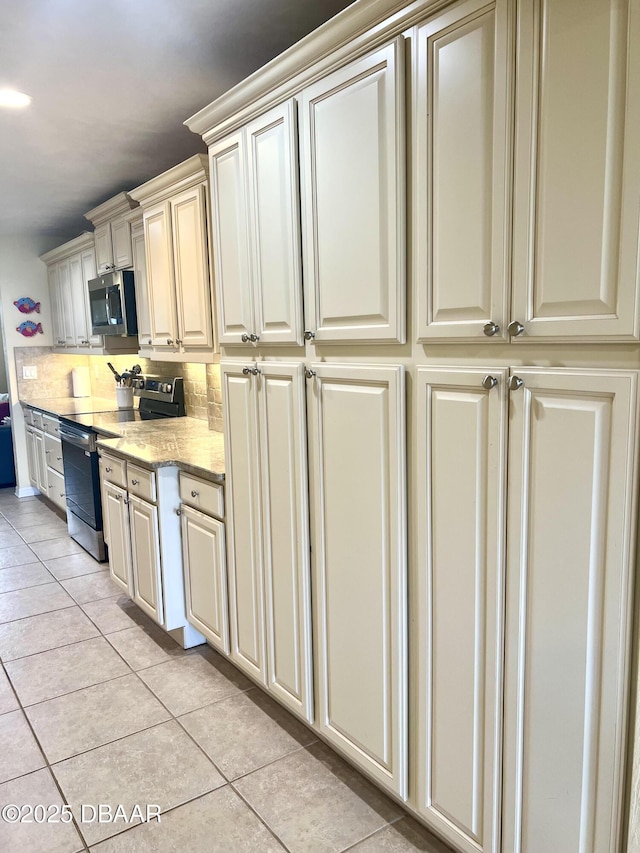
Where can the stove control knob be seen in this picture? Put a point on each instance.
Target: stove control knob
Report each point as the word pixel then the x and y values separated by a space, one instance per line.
pixel 139 383
pixel 167 388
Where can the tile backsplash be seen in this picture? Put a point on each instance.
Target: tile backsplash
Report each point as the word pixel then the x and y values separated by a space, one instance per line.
pixel 202 390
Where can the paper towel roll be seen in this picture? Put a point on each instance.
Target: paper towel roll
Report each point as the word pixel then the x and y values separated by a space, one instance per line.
pixel 81 382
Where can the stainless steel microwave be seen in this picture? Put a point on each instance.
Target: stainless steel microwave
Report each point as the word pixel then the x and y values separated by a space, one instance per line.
pixel 112 301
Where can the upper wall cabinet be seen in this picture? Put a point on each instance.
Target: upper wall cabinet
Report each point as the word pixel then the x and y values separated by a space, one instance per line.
pixel 113 233
pixel 577 170
pixel 256 231
pixel 353 176
pixel 176 242
pixel 462 164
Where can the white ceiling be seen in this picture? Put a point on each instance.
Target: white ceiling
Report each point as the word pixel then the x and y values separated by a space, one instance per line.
pixel 112 81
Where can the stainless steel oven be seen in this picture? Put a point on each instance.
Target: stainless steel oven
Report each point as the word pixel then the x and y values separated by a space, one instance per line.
pixel 112 302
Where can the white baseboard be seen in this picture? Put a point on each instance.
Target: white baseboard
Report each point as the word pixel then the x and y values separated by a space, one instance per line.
pixel 26 491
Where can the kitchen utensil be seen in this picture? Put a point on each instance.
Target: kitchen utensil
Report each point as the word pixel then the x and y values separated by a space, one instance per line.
pixel 114 371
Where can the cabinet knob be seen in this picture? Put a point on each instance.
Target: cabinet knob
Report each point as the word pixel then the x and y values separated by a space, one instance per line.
pixel 515 382
pixel 59 458
pixel 169 342
pixel 118 497
pixel 245 338
pixel 47 452
pixel 135 482
pixel 254 371
pixel 490 329
pixel 178 512
pixel 178 341
pixel 254 338
pixel 489 382
pixel 107 469
pixel 309 335
pixel 515 328
pixel 309 373
pixel 194 494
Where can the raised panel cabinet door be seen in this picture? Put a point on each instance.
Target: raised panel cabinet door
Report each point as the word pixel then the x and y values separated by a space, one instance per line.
pixel 41 461
pixel 88 258
pixel 104 248
pixel 571 520
pixel 285 510
pixel 121 243
pixel 31 457
pixel 141 286
pixel 116 523
pixel 462 171
pixel 56 306
pixel 353 200
pixel 577 170
pixel 160 275
pixel 66 303
pixel 359 564
pixel 205 576
pixel 103 501
pixel 145 553
pixel 232 274
pixel 274 217
pixel 191 264
pixel 458 602
pixel 78 299
pixel 244 527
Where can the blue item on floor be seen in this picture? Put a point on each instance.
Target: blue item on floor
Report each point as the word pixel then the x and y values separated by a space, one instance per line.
pixel 7 468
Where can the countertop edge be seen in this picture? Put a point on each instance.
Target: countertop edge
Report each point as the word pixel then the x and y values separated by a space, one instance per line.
pixel 188 467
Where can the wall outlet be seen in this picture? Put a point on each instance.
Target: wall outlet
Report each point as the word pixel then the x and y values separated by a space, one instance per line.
pixel 29 371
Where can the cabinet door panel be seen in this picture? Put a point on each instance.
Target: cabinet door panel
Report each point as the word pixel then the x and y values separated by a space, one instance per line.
pixel 357 429
pixel 104 249
pixel 283 448
pixel 230 239
pixel 577 169
pixel 161 287
pixel 56 305
pixel 88 259
pixel 66 302
pixel 116 522
pixel 462 171
pixel 570 519
pixel 274 213
pixel 141 286
pixel 352 150
pixel 242 486
pixel 78 287
pixel 121 243
pixel 205 574
pixel 145 552
pixel 193 295
pixel 31 457
pixel 41 461
pixel 461 464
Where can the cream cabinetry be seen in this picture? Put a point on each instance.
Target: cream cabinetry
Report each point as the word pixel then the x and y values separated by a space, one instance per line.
pixel 140 282
pixel 32 460
pixel 256 231
pixel 352 138
pixel 268 528
pixel 112 233
pixel 44 456
pixel 142 529
pixel 566 268
pixel 176 240
pixel 205 562
pixel 356 431
pixel 568 470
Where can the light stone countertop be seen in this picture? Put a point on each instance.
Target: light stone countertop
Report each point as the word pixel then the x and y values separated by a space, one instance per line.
pixel 185 442
pixel 61 406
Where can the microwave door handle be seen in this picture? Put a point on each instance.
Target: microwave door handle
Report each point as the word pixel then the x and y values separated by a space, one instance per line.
pixel 106 302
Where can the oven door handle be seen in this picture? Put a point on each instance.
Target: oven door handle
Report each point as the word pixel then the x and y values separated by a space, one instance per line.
pixel 84 440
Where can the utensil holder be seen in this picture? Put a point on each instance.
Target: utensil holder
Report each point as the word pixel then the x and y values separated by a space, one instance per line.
pixel 124 398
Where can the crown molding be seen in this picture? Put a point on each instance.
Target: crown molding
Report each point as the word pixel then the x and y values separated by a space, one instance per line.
pixel 193 171
pixel 111 208
pixel 86 240
pixel 358 29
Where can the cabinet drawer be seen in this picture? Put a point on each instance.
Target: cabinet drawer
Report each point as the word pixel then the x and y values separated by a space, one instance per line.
pixel 53 452
pixel 36 419
pixel 201 494
pixel 141 483
pixel 114 470
pixel 28 416
pixel 55 490
pixel 50 425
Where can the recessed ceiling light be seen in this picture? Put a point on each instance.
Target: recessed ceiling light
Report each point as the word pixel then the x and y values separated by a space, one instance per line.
pixel 12 98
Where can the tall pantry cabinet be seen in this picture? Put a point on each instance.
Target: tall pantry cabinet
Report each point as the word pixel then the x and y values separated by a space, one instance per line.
pixel 469 632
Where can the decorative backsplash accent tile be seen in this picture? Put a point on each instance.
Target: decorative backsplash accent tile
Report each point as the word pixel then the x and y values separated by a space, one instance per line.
pixel 203 398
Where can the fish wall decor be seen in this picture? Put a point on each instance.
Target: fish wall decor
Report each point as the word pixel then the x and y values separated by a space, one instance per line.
pixel 28 328
pixel 26 305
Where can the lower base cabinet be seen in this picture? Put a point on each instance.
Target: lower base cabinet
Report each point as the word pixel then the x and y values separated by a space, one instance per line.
pixel 525 493
pixel 44 456
pixel 115 518
pixel 145 552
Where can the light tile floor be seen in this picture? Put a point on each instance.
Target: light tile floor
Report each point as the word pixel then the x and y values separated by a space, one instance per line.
pixel 99 706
